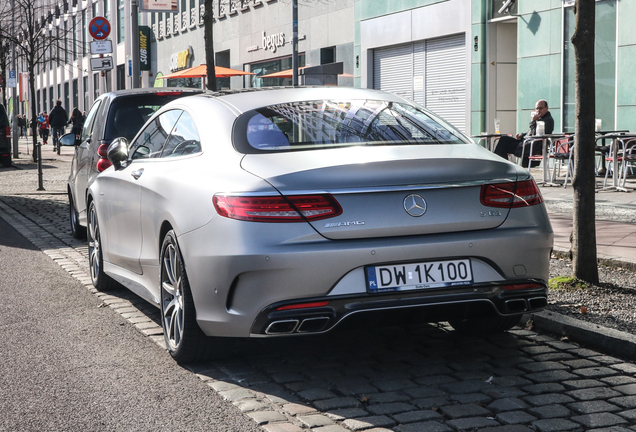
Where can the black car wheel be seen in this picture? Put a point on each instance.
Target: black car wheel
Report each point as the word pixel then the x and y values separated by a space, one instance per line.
pixel 77 230
pixel 184 339
pixel 100 280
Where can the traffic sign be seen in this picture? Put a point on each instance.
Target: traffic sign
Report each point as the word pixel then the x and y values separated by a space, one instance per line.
pixel 101 47
pixel 99 28
pixel 101 63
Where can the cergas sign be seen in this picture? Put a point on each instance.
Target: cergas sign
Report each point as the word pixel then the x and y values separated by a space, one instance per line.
pixel 181 59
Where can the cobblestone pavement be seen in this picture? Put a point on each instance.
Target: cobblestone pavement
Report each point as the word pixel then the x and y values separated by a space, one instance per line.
pixel 403 378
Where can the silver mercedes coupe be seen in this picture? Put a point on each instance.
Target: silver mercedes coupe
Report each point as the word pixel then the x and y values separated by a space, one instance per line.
pixel 286 212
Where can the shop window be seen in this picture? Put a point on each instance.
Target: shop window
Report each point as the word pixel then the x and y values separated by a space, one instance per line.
pixel 272 66
pixel 327 55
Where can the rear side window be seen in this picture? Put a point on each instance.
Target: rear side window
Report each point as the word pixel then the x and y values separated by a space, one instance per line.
pixel 183 139
pixel 152 138
pixel 320 124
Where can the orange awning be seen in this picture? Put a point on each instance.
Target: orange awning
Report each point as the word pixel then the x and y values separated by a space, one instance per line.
pixel 201 71
pixel 282 74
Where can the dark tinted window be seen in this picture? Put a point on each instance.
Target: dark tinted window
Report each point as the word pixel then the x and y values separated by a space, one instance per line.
pixel 127 114
pixel 183 139
pixel 329 123
pixel 151 139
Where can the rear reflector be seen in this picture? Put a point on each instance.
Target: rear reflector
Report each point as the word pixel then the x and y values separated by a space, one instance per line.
pixel 511 195
pixel 521 286
pixel 303 305
pixel 296 208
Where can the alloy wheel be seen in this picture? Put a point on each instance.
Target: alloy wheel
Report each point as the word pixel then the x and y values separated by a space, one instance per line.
pixel 94 249
pixel 172 296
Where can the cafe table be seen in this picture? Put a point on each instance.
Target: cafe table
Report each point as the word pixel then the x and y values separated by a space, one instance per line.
pixel 603 148
pixel 490 144
pixel 623 139
pixel 546 141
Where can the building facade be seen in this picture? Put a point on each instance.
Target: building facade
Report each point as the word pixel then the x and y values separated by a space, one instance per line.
pixel 471 61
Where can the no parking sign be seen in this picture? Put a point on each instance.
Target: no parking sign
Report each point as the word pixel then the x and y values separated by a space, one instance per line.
pixel 99 28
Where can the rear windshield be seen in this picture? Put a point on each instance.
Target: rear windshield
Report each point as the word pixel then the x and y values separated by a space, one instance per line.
pixel 128 114
pixel 329 123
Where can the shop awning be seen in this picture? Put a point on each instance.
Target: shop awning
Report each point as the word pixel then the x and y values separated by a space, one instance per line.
pixel 282 74
pixel 201 71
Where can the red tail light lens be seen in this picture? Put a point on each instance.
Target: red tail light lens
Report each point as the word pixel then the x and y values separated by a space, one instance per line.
pixel 102 150
pixel 103 164
pixel 7 132
pixel 511 195
pixel 296 208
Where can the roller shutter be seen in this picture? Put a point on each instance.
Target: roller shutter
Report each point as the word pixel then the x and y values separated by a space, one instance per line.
pixel 446 79
pixel 393 70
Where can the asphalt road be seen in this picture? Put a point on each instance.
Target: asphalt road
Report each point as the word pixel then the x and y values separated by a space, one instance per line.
pixel 69 364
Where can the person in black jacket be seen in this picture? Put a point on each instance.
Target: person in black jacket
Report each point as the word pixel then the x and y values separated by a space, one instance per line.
pixel 77 120
pixel 58 118
pixel 514 145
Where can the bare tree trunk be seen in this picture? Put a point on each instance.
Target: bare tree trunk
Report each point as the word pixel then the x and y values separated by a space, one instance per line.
pixel 584 227
pixel 208 36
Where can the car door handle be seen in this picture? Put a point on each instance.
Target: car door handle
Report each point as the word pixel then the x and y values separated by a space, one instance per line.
pixel 137 173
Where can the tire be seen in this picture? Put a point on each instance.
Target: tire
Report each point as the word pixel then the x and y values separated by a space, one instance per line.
pixel 100 280
pixel 184 339
pixel 6 161
pixel 77 230
pixel 483 326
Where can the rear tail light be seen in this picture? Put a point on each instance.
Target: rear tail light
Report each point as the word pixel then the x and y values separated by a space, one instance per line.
pixel 296 208
pixel 511 195
pixel 103 163
pixel 7 132
pixel 169 93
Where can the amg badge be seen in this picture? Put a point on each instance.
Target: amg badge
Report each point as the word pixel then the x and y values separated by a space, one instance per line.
pixel 341 224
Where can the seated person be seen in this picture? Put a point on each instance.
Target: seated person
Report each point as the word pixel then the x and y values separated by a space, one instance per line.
pixel 515 145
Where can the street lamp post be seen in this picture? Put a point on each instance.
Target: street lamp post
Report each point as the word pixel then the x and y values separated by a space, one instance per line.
pixel 295 42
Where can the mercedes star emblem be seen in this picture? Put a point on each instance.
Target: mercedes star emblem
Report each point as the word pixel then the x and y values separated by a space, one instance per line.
pixel 415 205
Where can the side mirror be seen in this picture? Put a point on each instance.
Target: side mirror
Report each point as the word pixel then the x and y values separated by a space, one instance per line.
pixel 118 153
pixel 68 140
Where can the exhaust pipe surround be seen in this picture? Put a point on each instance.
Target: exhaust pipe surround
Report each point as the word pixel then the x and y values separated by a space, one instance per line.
pixel 282 327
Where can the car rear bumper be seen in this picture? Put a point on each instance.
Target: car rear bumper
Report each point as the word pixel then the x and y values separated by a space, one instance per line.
pixel 424 306
pixel 238 279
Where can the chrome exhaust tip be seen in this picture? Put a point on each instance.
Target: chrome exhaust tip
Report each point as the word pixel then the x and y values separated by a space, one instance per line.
pixel 516 306
pixel 537 303
pixel 313 325
pixel 282 327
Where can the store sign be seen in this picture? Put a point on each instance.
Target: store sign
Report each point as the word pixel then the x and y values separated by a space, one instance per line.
pixel 180 60
pixel 274 41
pixel 144 48
pixel 158 6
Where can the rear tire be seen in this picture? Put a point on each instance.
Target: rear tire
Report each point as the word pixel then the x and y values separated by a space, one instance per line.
pixel 6 161
pixel 184 339
pixel 100 280
pixel 483 326
pixel 77 230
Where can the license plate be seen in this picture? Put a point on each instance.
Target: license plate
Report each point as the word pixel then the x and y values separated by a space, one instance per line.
pixel 415 276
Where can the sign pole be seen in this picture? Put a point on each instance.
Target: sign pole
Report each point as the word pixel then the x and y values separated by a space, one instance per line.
pixel 14 120
pixel 294 43
pixel 134 31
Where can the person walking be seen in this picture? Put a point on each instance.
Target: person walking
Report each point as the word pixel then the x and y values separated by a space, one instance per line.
pixel 77 120
pixel 58 118
pixel 43 126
